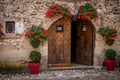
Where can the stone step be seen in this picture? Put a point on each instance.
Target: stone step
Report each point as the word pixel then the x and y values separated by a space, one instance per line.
pixel 70 68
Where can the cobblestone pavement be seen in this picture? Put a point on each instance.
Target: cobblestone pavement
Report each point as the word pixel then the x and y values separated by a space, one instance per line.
pixel 82 74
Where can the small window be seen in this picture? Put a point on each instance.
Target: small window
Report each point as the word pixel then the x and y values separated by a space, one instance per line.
pixel 10 27
pixel 59 28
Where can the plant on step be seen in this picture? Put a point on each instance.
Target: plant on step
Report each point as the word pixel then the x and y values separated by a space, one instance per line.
pixel 109 34
pixel 36 35
pixel 110 60
pixel 87 11
pixel 34 64
pixel 58 10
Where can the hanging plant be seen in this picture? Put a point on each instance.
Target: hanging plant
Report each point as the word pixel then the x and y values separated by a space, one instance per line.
pixel 109 34
pixel 87 11
pixel 58 10
pixel 35 35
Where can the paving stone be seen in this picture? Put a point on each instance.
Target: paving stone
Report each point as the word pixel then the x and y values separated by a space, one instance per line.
pixel 83 74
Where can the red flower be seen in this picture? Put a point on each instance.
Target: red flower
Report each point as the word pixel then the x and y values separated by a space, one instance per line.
pixel 57 5
pixel 27 32
pixel 61 11
pixel 69 14
pixel 35 33
pixel 57 9
pixel 52 6
pixel 87 17
pixel 115 35
pixel 89 13
pixel 111 38
pixel 49 14
pixel 83 18
pixel 45 32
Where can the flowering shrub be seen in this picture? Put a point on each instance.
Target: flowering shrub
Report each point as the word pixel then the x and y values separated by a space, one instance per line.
pixel 56 10
pixel 36 35
pixel 109 34
pixel 1 32
pixel 87 11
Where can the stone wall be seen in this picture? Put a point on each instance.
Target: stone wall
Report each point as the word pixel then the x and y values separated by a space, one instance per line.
pixel 28 12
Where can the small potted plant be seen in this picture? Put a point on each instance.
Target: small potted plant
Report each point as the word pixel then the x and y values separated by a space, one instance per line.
pixel 34 64
pixel 110 60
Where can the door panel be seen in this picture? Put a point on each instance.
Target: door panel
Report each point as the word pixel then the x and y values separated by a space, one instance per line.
pixel 84 51
pixel 59 43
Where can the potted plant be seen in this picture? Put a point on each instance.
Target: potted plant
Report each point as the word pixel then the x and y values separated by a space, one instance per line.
pixel 34 64
pixel 110 60
pixel 109 34
pixel 35 35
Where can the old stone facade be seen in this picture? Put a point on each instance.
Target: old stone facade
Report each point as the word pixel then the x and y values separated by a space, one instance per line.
pixel 27 12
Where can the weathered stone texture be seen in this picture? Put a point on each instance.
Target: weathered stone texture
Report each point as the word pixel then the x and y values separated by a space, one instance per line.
pixel 33 12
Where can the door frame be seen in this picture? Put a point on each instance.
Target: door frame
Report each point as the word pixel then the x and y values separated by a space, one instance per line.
pixel 94 36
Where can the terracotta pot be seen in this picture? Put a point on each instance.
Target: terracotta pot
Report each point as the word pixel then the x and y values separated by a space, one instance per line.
pixel 34 68
pixel 110 64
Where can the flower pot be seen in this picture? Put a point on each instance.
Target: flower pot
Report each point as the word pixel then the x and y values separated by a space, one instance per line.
pixel 110 64
pixel 34 68
pixel 110 42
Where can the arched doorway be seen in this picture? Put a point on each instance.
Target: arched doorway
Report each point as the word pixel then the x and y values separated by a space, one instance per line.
pixel 69 43
pixel 82 42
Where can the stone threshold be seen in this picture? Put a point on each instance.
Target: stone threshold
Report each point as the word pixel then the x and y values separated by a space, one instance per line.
pixel 70 68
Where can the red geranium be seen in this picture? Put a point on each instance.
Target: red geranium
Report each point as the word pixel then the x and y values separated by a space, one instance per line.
pixel 109 34
pixel 56 9
pixel 87 12
pixel 36 33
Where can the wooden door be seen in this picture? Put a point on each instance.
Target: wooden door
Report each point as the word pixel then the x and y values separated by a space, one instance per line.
pixel 84 51
pixel 59 54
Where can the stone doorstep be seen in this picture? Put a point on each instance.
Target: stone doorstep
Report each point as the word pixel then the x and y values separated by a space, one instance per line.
pixel 70 68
